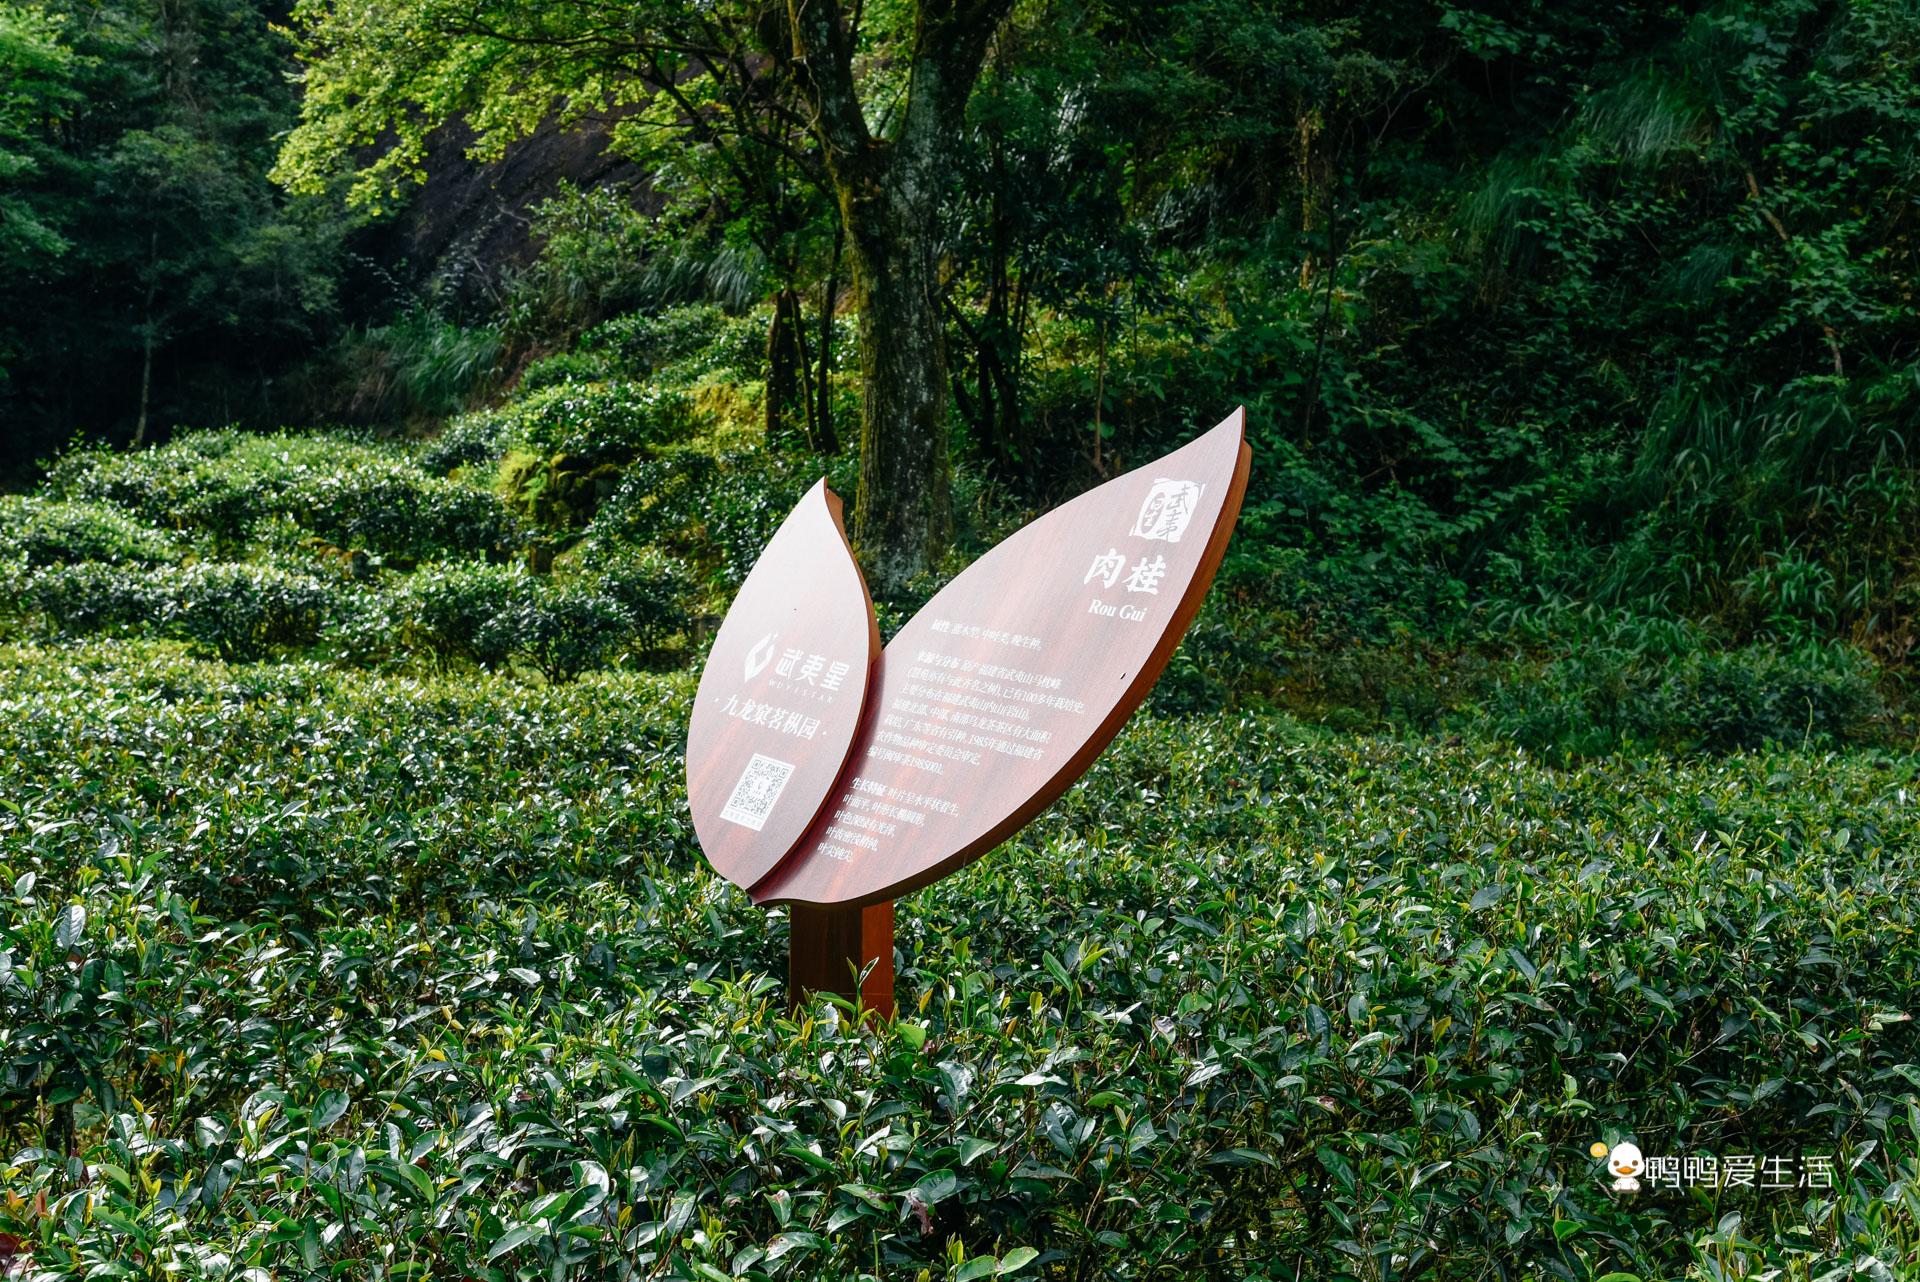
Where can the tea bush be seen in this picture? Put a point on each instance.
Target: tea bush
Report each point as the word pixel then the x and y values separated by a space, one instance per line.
pixel 92 597
pixel 324 973
pixel 391 509
pixel 566 446
pixel 654 589
pixel 461 610
pixel 184 485
pixel 715 510
pixel 224 484
pixel 238 611
pixel 1600 699
pixel 601 422
pixel 40 531
pixel 244 612
pixel 488 614
pixel 572 627
pixel 471 440
pixel 631 346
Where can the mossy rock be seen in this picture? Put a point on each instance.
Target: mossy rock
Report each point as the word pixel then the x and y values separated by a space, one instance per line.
pixel 558 492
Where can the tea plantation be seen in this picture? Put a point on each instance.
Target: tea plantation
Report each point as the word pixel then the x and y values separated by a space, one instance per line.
pixel 353 927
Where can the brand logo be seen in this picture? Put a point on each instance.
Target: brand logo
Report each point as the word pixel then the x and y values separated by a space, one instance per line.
pixel 760 656
pixel 1167 509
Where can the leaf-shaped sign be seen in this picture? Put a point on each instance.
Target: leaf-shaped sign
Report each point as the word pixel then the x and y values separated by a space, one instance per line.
pixel 1000 693
pixel 782 693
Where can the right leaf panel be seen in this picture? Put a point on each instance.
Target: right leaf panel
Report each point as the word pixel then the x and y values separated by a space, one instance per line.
pixel 999 694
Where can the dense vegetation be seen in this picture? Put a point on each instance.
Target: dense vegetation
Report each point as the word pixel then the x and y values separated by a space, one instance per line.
pixel 1540 770
pixel 356 926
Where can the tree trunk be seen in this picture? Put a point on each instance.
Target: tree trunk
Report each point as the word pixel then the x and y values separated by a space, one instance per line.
pixel 889 193
pixel 903 514
pixel 146 340
pixel 823 381
pixel 146 386
pixel 785 398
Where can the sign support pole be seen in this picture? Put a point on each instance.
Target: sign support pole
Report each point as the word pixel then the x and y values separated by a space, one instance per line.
pixel 828 947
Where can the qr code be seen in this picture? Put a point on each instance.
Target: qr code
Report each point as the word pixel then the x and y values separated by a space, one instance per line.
pixel 759 788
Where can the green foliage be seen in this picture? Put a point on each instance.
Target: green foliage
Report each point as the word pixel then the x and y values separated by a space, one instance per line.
pixel 390 508
pixel 434 968
pixel 149 271
pixel 676 346
pixel 601 422
pixel 1578 346
pixel 714 510
pixel 570 628
pixel 585 618
pixel 92 597
pixel 41 531
pixel 239 612
pixel 420 365
pixel 597 255
pixel 350 494
pixel 461 610
pixel 36 80
pixel 569 443
pixel 473 439
pixel 1611 695
pixel 244 612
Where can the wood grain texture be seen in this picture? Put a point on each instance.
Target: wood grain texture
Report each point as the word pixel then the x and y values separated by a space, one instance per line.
pixel 828 948
pixel 999 694
pixel 781 696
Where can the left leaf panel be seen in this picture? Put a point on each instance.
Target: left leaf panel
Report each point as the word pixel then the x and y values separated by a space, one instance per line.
pixel 782 693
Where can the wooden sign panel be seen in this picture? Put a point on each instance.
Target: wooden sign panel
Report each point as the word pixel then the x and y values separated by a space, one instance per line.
pixel 781 697
pixel 1000 693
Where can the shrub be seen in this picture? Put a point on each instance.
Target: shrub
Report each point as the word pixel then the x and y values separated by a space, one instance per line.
pixel 654 589
pixel 571 443
pixel 714 511
pixel 238 611
pixel 437 960
pixel 572 627
pixel 488 614
pixel 571 367
pixel 643 343
pixel 194 482
pixel 242 612
pixel 91 597
pixel 392 509
pixel 348 492
pixel 367 628
pixel 602 422
pixel 596 251
pixel 675 348
pixel 42 531
pixel 468 441
pixel 1605 698
pixel 465 610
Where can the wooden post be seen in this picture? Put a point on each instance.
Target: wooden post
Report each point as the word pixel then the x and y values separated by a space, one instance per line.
pixel 828 947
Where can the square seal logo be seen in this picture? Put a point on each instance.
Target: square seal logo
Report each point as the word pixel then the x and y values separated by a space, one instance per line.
pixel 1166 510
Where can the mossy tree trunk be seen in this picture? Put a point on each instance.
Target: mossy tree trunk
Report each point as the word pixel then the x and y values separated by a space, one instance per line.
pixel 902 514
pixel 888 190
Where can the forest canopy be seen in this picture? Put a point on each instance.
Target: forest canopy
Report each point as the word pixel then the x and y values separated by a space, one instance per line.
pixel 1587 303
